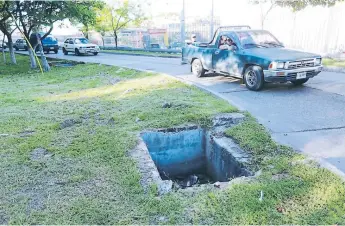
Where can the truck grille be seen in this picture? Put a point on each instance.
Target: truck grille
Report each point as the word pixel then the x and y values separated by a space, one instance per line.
pixel 301 64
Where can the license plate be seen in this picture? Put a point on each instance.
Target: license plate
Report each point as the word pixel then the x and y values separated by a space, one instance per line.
pixel 51 47
pixel 301 75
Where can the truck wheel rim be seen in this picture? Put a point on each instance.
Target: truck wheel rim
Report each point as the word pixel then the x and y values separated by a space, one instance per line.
pixel 251 78
pixel 196 67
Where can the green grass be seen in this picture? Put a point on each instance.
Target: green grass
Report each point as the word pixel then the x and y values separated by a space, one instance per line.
pixel 156 54
pixel 90 179
pixel 333 63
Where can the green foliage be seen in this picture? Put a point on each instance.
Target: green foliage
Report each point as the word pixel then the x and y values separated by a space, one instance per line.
pixel 85 13
pixel 301 4
pixel 333 62
pixel 297 5
pixel 123 15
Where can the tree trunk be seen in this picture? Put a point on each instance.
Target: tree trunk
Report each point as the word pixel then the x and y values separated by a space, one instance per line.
pixel 115 36
pixel 32 58
pixel 86 32
pixel 3 49
pixel 103 41
pixel 12 55
pixel 46 66
pixel 11 49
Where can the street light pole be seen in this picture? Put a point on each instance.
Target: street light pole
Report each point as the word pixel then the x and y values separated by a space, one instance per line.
pixel 212 20
pixel 183 35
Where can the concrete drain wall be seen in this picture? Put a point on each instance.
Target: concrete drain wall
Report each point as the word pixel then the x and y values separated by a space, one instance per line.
pixel 190 155
pixel 177 152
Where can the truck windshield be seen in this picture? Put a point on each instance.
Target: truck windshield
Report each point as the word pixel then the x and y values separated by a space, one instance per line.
pixel 260 39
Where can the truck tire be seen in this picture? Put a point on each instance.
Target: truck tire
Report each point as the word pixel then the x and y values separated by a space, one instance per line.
pixel 254 78
pixel 299 81
pixel 197 68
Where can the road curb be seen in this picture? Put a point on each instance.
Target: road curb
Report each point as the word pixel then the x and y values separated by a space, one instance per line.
pixel 138 54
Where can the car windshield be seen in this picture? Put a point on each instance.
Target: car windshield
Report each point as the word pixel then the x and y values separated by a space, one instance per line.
pixel 261 39
pixel 81 41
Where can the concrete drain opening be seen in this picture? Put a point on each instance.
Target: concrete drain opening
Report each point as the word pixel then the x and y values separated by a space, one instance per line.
pixel 190 156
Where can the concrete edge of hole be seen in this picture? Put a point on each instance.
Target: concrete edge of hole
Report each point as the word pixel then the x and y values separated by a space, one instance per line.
pixel 149 172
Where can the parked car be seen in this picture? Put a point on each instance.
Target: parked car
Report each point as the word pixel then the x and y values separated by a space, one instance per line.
pixel 20 44
pixel 255 56
pixel 79 46
pixel 175 45
pixel 49 43
pixel 155 46
pixel 3 44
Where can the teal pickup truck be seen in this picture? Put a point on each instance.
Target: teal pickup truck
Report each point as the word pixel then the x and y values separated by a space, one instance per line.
pixel 255 56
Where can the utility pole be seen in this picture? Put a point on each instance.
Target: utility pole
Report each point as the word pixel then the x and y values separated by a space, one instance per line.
pixel 212 20
pixel 183 35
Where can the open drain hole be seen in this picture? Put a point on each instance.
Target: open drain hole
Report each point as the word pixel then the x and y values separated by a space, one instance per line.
pixel 191 156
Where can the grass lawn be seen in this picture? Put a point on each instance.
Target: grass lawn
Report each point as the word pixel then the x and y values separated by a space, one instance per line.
pixel 64 141
pixel 156 54
pixel 333 63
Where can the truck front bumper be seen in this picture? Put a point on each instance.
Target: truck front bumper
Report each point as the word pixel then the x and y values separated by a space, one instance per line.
pixel 290 75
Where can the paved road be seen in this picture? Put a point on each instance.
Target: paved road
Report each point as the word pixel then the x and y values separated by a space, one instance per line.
pixel 310 118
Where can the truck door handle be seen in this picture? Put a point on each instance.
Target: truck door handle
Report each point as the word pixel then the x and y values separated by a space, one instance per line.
pixel 217 52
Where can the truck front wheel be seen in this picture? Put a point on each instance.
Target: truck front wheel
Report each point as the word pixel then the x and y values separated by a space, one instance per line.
pixel 197 68
pixel 254 78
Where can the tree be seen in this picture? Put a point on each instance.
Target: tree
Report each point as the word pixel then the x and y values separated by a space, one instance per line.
pixel 33 15
pixel 124 15
pixel 85 14
pixel 103 21
pixel 295 5
pixel 6 27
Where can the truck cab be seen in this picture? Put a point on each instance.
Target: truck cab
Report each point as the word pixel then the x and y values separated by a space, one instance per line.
pixel 255 56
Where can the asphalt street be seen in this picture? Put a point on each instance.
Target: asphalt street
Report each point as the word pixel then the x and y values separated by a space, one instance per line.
pixel 310 118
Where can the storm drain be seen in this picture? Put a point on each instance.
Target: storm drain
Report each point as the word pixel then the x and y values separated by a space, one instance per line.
pixel 192 155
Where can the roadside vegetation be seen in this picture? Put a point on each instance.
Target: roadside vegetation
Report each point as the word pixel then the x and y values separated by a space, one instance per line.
pixel 64 142
pixel 145 53
pixel 333 62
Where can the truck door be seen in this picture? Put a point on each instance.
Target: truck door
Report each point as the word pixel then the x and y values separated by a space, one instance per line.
pixel 226 61
pixel 220 60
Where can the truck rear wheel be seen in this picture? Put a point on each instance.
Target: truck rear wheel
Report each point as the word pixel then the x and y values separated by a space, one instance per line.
pixel 197 68
pixel 254 78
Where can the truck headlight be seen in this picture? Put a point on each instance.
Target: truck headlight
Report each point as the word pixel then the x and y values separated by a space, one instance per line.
pixel 276 65
pixel 317 61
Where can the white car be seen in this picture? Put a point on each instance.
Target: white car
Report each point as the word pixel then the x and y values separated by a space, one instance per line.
pixel 79 46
